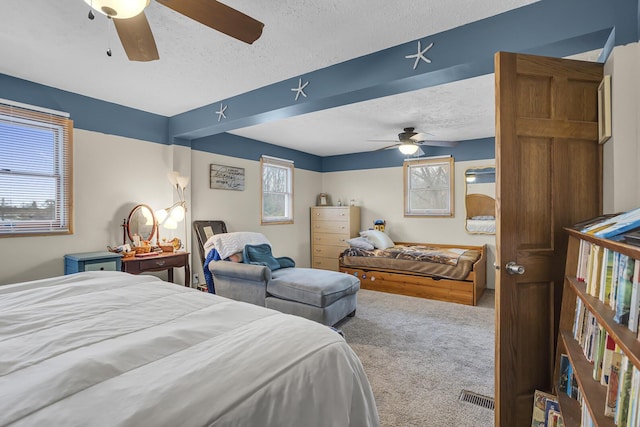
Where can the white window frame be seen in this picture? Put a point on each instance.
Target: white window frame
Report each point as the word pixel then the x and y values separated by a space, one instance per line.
pixel 288 167
pixel 419 166
pixel 17 115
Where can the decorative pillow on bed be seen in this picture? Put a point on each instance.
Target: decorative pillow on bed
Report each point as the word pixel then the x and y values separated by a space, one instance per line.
pixel 360 243
pixel 378 239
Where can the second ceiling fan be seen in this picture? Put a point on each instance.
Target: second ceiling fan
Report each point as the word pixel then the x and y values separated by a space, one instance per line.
pixel 409 141
pixel 135 33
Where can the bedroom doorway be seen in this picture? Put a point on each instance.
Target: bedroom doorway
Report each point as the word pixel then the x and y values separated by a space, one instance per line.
pixel 549 175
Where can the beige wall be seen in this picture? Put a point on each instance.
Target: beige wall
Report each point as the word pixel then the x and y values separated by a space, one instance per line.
pixel 621 154
pixel 111 175
pixel 240 210
pixel 379 193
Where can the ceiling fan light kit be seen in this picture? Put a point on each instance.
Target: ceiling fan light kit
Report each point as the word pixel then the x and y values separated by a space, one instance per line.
pixel 408 148
pixel 121 9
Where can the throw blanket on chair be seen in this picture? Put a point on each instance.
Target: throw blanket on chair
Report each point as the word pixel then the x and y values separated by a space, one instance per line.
pixel 213 255
pixel 261 255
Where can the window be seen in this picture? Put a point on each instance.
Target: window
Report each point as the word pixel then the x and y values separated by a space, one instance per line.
pixel 428 187
pixel 277 190
pixel 35 171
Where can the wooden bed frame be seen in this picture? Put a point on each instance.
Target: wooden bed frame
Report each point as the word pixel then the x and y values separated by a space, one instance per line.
pixel 467 291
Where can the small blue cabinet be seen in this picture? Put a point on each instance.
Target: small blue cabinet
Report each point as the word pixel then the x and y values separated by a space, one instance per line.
pixel 92 261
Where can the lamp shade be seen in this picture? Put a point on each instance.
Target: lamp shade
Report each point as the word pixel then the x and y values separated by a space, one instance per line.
pixel 183 181
pixel 161 215
pixel 177 213
pixel 408 148
pixel 120 9
pixel 170 223
pixel 173 177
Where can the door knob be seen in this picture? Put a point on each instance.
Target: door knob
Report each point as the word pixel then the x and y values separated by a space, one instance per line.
pixel 513 268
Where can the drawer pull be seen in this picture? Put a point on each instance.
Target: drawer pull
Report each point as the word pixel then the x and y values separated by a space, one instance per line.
pixel 160 262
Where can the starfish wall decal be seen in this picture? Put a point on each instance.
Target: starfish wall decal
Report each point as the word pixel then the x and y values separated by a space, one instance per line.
pixel 420 55
pixel 300 89
pixel 221 111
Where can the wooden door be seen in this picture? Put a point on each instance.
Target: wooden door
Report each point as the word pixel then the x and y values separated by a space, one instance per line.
pixel 548 176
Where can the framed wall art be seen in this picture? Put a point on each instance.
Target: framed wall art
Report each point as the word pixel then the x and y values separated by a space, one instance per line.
pixel 604 109
pixel 226 177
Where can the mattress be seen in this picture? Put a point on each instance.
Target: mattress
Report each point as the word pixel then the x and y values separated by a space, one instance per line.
pixel 113 349
pixel 449 263
pixel 481 226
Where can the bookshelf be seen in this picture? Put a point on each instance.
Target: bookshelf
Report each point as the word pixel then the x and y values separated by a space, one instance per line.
pixel 593 393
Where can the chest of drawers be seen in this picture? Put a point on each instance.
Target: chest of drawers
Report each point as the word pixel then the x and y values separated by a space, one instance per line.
pixel 331 227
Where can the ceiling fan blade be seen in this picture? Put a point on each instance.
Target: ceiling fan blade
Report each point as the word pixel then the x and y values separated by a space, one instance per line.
pixel 137 38
pixel 438 143
pixel 420 136
pixel 386 148
pixel 218 16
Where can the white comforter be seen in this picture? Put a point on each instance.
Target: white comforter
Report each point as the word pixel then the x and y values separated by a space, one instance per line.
pixel 113 349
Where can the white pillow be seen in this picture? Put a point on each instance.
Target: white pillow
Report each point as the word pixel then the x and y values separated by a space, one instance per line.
pixel 228 244
pixel 360 243
pixel 378 238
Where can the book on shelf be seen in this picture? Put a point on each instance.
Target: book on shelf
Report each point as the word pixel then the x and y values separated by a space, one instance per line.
pixel 605 276
pixel 555 419
pixel 625 286
pixel 551 405
pixel 565 367
pixel 612 386
pixel 540 399
pixel 614 280
pixel 599 353
pixel 592 221
pixel 632 237
pixel 633 418
pixel 615 225
pixel 624 391
pixel 583 260
pixel 634 308
pixel 596 267
pixel 609 349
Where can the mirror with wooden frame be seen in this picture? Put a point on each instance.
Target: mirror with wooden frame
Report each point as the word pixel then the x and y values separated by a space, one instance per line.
pixel 480 203
pixel 141 222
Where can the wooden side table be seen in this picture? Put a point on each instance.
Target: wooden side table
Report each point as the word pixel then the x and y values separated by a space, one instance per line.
pixel 163 261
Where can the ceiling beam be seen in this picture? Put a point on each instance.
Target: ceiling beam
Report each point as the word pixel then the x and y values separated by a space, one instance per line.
pixel 547 27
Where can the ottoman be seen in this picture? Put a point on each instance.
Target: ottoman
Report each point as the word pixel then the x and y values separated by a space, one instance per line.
pixel 320 295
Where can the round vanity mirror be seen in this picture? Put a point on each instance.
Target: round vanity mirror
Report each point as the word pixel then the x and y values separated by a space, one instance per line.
pixel 141 222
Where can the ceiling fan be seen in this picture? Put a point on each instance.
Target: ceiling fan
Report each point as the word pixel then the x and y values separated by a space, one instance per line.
pixel 409 142
pixel 135 33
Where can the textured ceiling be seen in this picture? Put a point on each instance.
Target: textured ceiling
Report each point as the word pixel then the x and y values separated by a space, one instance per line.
pixel 53 43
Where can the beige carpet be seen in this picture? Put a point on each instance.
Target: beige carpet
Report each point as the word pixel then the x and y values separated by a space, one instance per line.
pixel 420 354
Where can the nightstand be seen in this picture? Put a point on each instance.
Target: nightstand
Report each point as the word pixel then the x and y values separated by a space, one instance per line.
pixel 92 261
pixel 162 261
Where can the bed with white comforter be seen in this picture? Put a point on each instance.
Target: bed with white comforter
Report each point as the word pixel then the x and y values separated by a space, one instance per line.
pixel 113 349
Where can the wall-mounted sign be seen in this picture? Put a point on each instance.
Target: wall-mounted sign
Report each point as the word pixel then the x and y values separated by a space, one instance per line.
pixel 226 177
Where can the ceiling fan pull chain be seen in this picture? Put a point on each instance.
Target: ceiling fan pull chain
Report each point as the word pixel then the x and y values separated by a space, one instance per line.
pixel 109 36
pixel 91 15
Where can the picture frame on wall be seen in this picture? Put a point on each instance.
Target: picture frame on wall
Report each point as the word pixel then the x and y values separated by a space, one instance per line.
pixel 604 109
pixel 226 177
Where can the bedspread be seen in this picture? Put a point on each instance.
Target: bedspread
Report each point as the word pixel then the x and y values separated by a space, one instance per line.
pixel 450 263
pixel 113 349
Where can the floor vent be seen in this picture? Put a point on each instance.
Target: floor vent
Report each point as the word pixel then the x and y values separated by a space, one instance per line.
pixel 477 399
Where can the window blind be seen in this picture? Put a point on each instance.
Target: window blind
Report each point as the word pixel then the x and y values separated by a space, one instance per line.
pixel 35 171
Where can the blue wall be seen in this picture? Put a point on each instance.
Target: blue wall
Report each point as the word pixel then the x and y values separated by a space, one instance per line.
pixel 548 27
